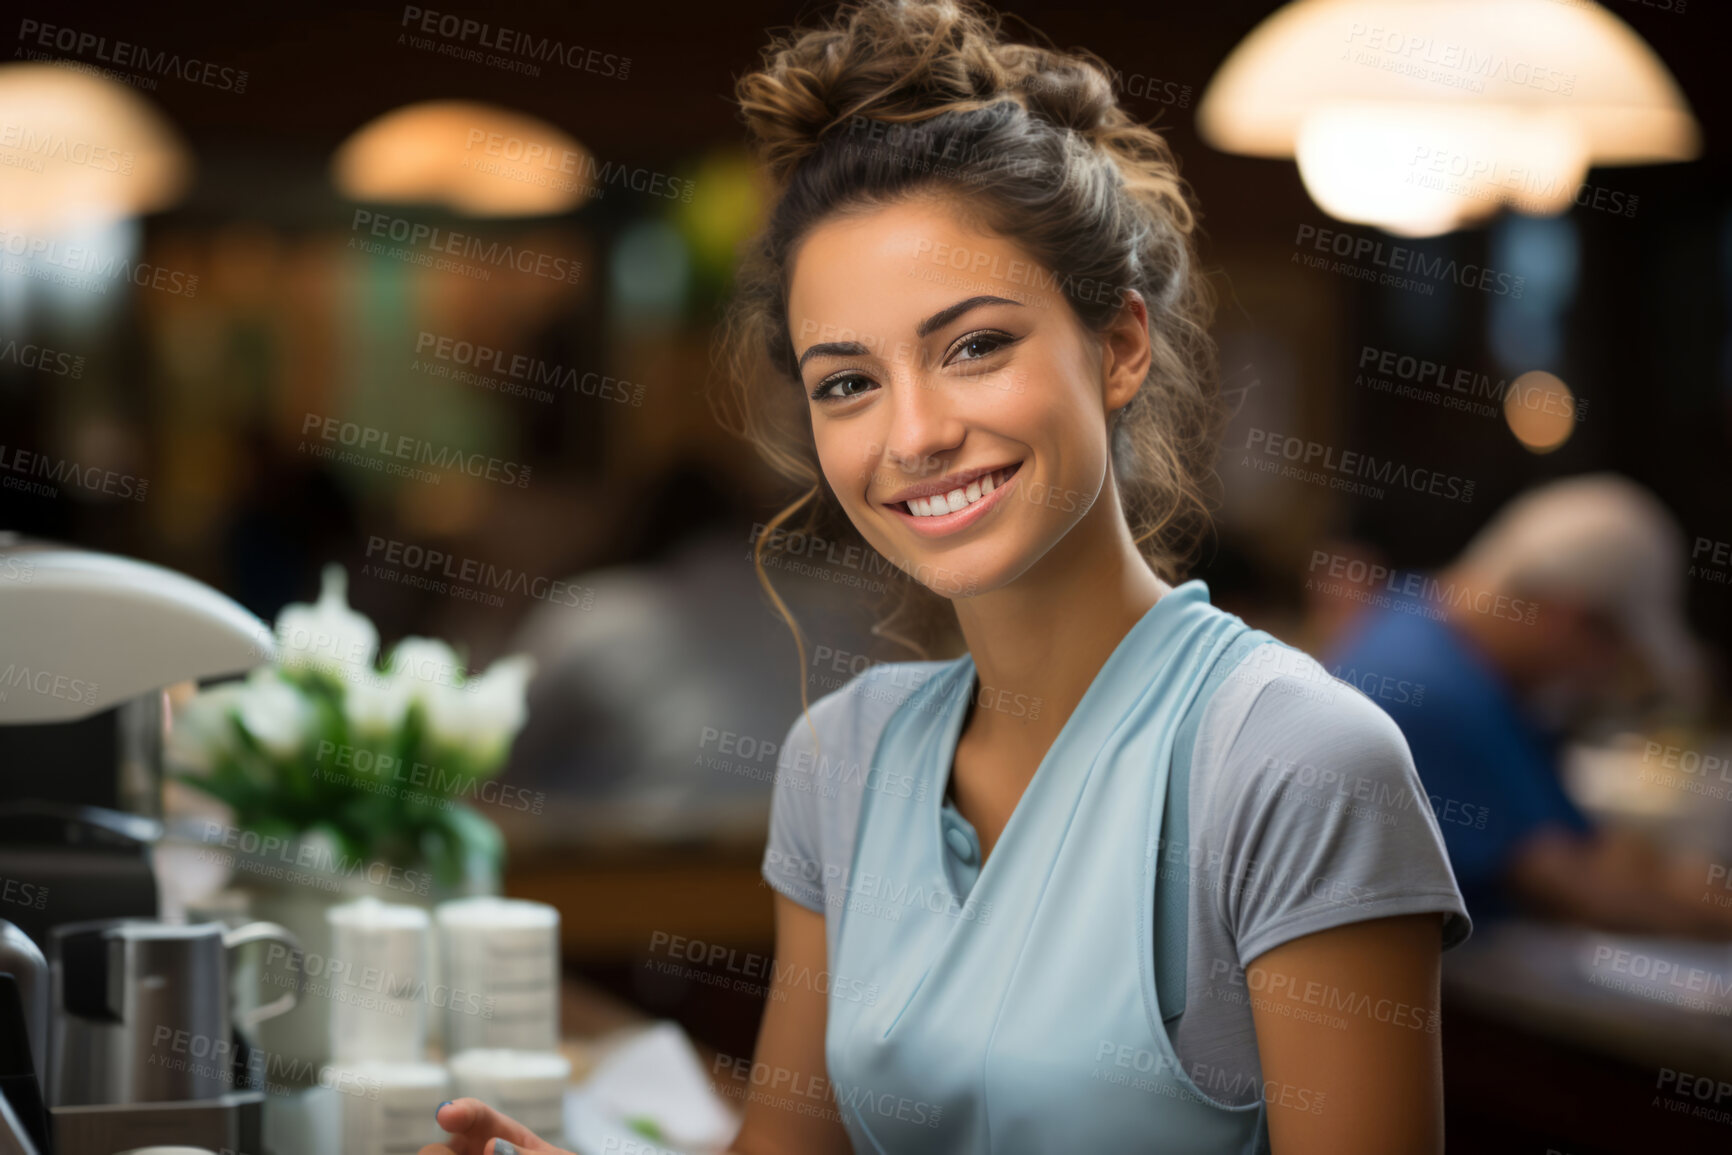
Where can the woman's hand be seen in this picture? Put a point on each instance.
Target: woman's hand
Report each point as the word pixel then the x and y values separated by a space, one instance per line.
pixel 477 1129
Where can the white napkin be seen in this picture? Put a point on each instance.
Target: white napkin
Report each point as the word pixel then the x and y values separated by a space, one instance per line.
pixel 656 1075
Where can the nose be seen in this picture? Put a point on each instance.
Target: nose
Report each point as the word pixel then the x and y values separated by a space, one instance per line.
pixel 923 427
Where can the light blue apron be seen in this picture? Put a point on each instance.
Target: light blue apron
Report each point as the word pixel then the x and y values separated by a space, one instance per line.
pixel 1019 1012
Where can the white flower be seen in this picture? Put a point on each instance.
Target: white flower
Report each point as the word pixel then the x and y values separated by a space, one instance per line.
pixel 476 717
pixel 428 671
pixel 200 733
pixel 327 633
pixel 276 714
pixel 427 662
pixel 375 707
pixel 496 708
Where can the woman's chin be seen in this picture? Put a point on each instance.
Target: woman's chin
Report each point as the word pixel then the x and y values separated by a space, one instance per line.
pixel 964 574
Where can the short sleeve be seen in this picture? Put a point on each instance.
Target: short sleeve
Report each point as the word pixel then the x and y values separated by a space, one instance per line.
pixel 1326 822
pixel 821 774
pixel 794 852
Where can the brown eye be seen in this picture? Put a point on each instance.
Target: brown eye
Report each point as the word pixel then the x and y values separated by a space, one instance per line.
pixel 830 386
pixel 985 342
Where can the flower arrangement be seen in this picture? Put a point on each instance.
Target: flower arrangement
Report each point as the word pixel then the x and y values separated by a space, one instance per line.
pixel 382 761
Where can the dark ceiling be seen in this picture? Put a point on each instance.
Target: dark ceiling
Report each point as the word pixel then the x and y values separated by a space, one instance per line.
pixel 318 70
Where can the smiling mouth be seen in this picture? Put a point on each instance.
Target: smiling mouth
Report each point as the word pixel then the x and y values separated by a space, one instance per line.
pixel 958 499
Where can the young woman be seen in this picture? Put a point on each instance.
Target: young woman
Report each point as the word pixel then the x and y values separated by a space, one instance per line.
pixel 1127 875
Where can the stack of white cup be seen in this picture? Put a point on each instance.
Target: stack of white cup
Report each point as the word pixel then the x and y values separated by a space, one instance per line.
pixel 382 948
pixel 379 1028
pixel 506 951
pixel 497 984
pixel 393 1108
pixel 502 955
pixel 527 1085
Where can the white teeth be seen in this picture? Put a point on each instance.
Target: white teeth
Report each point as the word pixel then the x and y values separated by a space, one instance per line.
pixel 960 498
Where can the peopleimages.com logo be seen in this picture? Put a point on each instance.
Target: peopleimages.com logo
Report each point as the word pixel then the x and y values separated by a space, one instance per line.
pixel 1458 388
pixel 46 684
pixel 523 371
pixel 57 471
pixel 42 359
pixel 384 444
pixel 464 246
pixel 1419 54
pixel 1349 471
pixel 124 54
pixel 511 49
pixel 83 268
pixel 409 563
pixel 1400 259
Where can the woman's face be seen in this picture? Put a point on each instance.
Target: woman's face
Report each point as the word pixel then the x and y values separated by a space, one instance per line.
pixel 960 408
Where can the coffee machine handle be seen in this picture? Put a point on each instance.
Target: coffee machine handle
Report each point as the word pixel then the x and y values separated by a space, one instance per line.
pixel 268 932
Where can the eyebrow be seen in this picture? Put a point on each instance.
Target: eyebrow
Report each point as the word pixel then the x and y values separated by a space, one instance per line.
pixel 937 321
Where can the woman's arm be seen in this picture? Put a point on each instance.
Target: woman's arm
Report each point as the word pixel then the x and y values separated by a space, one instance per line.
pixel 1347 1036
pixel 790 1051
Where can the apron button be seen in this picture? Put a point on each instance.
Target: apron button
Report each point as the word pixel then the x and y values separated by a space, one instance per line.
pixel 960 844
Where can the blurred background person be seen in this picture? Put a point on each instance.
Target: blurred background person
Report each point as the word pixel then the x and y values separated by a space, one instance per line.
pixel 1564 614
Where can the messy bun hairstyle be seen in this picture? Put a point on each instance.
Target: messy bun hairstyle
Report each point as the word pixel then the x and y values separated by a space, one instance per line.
pixel 896 98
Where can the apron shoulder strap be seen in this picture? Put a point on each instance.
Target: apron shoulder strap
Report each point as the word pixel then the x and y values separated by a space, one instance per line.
pixel 1172 887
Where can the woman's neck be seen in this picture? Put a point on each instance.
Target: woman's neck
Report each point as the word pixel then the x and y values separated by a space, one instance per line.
pixel 1047 634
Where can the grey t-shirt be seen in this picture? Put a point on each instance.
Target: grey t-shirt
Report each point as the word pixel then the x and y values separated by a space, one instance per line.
pixel 1305 812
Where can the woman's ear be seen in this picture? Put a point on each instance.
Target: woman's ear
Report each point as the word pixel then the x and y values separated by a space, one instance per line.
pixel 1125 352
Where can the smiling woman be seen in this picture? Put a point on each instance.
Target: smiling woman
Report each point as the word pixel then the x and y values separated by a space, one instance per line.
pixel 1127 874
pixel 1020 220
pixel 973 331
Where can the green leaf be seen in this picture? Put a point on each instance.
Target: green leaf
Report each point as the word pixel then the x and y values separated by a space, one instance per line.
pixel 647 1127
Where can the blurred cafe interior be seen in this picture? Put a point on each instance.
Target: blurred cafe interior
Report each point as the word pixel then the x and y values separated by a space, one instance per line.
pixel 375 340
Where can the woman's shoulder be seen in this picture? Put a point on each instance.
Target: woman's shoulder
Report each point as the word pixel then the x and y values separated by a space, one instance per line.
pixel 1280 715
pixel 1310 806
pixel 845 723
pixel 822 772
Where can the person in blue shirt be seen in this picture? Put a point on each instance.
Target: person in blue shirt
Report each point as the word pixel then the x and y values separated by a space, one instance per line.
pixel 1490 664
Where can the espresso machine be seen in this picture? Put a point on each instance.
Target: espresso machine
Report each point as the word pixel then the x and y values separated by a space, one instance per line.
pixel 130 1035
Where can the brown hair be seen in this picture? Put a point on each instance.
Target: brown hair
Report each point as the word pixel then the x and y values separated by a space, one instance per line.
pixel 901 98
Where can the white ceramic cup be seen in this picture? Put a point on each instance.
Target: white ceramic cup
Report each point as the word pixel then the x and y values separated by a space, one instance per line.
pixel 388 1108
pixel 529 1086
pixel 502 954
pixel 379 998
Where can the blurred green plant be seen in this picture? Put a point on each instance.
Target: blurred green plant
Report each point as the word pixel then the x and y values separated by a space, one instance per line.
pixel 383 761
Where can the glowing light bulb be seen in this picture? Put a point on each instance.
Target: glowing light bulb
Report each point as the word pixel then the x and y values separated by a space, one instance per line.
pixel 1513 98
pixel 477 159
pixel 1540 410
